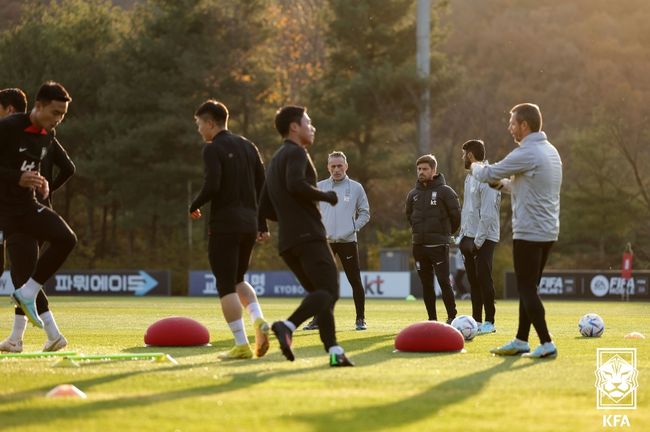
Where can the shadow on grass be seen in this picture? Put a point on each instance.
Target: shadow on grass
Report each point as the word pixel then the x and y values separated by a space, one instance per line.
pixel 88 383
pixel 423 405
pixel 412 409
pixel 34 415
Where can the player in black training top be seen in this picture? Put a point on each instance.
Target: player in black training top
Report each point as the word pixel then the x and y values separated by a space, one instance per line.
pixel 24 249
pixel 234 177
pixel 291 197
pixel 24 142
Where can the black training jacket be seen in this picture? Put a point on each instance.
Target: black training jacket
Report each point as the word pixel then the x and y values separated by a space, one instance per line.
pixel 234 177
pixel 291 196
pixel 433 211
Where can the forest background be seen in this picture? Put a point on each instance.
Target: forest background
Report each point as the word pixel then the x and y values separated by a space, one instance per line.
pixel 137 70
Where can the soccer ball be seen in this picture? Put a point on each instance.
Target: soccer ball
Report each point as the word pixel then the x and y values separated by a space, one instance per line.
pixel 591 325
pixel 466 325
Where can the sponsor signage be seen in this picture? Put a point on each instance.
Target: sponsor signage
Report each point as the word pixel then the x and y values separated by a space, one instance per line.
pixel 265 283
pixel 379 284
pixel 111 282
pixel 587 284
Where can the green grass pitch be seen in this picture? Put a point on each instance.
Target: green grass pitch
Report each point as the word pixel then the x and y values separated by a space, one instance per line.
pixel 387 391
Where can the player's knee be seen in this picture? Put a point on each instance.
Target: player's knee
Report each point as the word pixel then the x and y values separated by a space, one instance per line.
pixel 68 240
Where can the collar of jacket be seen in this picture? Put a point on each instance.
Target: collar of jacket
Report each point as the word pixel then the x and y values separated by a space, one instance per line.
pixel 437 180
pixel 533 138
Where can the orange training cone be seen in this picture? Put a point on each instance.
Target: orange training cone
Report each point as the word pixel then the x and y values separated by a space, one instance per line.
pixel 66 390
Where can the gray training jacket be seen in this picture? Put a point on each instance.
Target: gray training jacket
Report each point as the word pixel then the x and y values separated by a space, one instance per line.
pixel 352 212
pixel 535 171
pixel 480 215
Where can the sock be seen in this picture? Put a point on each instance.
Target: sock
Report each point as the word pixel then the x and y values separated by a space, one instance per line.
pixel 255 311
pixel 20 324
pixel 289 324
pixel 237 329
pixel 336 349
pixel 31 289
pixel 50 326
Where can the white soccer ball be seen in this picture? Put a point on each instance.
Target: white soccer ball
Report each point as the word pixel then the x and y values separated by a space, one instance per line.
pixel 591 325
pixel 466 325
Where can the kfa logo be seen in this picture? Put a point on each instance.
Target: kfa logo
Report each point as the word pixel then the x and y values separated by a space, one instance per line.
pixel 616 378
pixel 376 282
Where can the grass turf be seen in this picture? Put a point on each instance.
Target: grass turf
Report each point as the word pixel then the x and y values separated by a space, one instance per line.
pixel 387 391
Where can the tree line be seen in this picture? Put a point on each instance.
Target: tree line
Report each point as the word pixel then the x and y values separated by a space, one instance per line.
pixel 137 70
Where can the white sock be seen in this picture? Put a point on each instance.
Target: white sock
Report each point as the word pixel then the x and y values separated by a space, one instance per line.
pixel 289 324
pixel 20 324
pixel 50 326
pixel 30 289
pixel 336 349
pixel 255 311
pixel 237 329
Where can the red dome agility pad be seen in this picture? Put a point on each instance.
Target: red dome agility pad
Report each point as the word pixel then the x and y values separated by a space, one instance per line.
pixel 176 331
pixel 429 336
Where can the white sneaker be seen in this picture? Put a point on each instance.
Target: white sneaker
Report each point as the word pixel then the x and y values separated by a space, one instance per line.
pixel 11 345
pixel 56 344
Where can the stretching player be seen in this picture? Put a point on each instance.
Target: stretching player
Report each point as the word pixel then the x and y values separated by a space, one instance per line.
pixel 24 249
pixel 24 142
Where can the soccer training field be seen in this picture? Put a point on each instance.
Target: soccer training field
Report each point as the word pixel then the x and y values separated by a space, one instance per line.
pixel 387 391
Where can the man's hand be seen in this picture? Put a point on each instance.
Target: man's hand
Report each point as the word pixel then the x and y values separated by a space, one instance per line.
pixel 263 236
pixel 196 214
pixel 332 198
pixel 44 189
pixel 31 179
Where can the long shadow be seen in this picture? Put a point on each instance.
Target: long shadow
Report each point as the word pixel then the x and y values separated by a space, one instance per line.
pixel 412 409
pixel 88 383
pixel 180 352
pixel 33 415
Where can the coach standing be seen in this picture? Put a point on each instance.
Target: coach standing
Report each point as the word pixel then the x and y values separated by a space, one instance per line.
pixel 532 173
pixel 342 222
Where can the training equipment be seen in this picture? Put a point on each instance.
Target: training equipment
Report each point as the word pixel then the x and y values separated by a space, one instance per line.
pixel 177 331
pixel 410 297
pixel 66 390
pixel 466 325
pixel 591 325
pixel 635 335
pixel 72 360
pixel 429 336
pixel 33 355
